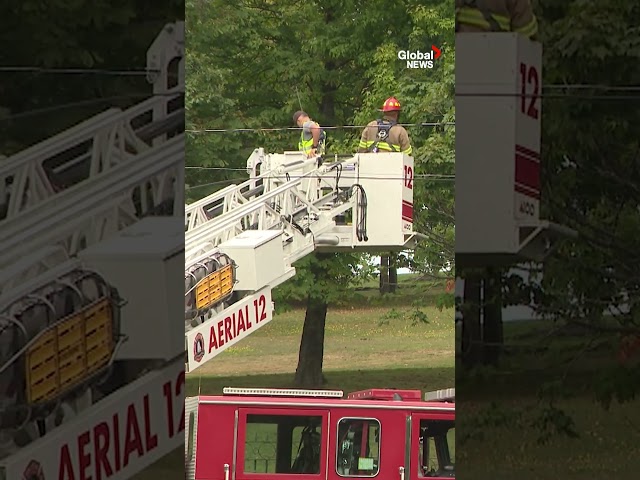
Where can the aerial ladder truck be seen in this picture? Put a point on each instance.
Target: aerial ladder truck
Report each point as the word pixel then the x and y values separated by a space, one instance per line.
pixel 249 432
pixel 242 241
pixel 90 239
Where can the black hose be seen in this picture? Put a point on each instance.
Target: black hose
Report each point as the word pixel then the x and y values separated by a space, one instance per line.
pixel 361 213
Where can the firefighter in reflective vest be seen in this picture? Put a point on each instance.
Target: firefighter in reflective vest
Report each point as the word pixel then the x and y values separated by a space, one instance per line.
pixel 312 137
pixel 496 16
pixel 385 134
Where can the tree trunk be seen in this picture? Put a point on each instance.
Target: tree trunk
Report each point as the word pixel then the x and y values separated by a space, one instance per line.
pixel 384 275
pixel 471 330
pixel 393 272
pixel 492 333
pixel 309 371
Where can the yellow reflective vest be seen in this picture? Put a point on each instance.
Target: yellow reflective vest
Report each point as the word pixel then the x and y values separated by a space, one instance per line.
pixel 496 15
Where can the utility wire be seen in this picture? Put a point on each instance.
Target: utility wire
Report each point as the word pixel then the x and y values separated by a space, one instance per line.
pixel 562 86
pixel 335 127
pixel 75 71
pixel 554 96
pixel 232 180
pixel 84 103
pixel 90 102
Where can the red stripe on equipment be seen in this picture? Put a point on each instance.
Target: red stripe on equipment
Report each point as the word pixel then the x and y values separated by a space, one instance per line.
pixel 527 152
pixel 407 211
pixel 528 192
pixel 528 172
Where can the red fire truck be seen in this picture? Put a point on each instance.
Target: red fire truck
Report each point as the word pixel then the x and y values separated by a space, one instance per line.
pixel 290 434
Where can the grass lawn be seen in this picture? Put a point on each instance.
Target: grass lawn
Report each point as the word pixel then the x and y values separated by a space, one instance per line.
pixel 169 467
pixel 375 344
pixel 608 445
pixel 372 342
pixel 374 338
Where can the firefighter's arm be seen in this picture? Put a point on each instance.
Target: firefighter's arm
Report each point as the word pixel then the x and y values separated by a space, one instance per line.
pixel 405 143
pixel 315 132
pixel 523 20
pixel 365 143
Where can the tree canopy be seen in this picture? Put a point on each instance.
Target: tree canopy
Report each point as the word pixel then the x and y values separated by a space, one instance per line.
pixel 250 65
pixel 100 36
pixel 592 171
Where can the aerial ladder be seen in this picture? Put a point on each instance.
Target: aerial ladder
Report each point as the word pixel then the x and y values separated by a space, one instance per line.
pixel 103 174
pixel 498 154
pixel 242 241
pixel 88 219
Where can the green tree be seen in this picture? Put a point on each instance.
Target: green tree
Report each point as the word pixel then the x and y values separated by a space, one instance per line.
pixel 590 183
pixel 333 64
pixel 591 172
pixel 427 96
pixel 60 34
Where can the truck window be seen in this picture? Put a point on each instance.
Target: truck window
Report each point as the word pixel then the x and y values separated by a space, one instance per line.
pixel 437 448
pixel 358 447
pixel 283 444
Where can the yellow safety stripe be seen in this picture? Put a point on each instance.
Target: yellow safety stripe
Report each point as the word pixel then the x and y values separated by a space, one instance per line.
pixel 473 16
pixel 530 29
pixel 385 146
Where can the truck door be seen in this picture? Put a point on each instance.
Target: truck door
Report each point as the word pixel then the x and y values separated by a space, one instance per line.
pixel 367 444
pixel 274 443
pixel 432 446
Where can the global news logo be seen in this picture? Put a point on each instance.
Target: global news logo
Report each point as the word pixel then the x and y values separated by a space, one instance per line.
pixel 418 59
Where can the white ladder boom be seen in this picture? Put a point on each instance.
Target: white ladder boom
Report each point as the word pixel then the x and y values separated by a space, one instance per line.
pixel 245 238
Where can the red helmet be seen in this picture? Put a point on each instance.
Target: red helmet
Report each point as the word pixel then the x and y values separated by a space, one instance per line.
pixel 391 104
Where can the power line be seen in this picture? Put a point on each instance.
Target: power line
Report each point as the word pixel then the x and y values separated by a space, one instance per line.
pixel 595 86
pixel 552 96
pixel 75 71
pixel 542 96
pixel 84 103
pixel 562 86
pixel 335 127
pixel 417 177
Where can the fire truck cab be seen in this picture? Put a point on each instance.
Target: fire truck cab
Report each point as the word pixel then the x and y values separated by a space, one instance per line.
pixel 290 434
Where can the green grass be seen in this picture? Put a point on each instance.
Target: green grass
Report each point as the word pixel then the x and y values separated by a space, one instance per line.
pixel 372 338
pixel 171 466
pixel 411 288
pixel 372 342
pixel 608 445
pixel 408 291
pixel 375 344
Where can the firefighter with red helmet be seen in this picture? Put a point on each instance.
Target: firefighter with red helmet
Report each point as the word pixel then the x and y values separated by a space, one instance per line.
pixel 385 134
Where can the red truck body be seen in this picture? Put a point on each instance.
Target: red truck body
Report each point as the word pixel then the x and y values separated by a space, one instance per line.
pixel 256 434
